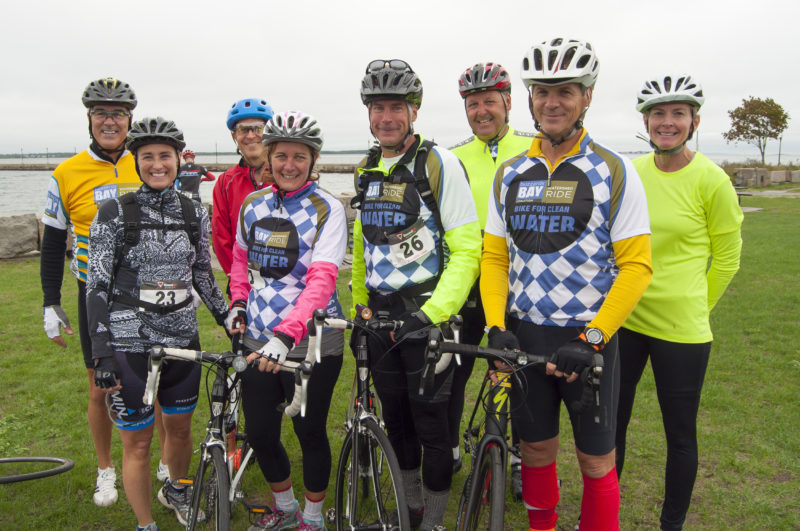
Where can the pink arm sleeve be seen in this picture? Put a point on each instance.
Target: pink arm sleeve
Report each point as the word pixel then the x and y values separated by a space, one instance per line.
pixel 320 285
pixel 240 283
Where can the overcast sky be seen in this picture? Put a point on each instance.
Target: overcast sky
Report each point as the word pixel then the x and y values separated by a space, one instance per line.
pixel 189 61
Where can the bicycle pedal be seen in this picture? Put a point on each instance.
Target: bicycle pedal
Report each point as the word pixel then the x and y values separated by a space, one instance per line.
pixel 185 481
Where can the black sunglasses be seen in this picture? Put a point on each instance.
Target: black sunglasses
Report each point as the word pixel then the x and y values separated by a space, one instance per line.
pixel 394 64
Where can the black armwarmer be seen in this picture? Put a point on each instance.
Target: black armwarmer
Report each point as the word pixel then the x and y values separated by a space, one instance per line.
pixel 51 267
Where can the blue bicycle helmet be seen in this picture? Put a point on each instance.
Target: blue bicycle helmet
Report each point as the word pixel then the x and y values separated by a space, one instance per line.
pixel 249 108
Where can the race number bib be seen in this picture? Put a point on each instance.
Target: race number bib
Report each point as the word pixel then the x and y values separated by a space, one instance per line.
pixel 411 244
pixel 164 292
pixel 256 280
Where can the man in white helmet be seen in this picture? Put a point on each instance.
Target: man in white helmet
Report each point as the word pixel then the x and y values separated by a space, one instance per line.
pixel 566 258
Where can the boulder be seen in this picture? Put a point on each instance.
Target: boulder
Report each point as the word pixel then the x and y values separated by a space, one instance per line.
pixel 19 235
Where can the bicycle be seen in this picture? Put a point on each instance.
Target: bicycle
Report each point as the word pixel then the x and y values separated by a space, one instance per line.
pixel 482 502
pixel 216 486
pixel 369 494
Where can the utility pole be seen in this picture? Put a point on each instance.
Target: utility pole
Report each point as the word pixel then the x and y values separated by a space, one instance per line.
pixel 21 157
pixel 780 145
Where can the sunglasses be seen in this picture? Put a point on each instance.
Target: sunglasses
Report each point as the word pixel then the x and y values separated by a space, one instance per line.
pixel 394 64
pixel 245 129
pixel 117 115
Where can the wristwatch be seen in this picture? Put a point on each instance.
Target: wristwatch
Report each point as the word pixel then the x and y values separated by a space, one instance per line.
pixel 594 336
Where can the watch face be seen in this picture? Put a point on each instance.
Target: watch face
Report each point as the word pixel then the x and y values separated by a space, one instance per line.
pixel 594 336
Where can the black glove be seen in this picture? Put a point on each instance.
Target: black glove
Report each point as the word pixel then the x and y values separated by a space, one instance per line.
pixel 573 356
pixel 502 339
pixel 105 373
pixel 412 322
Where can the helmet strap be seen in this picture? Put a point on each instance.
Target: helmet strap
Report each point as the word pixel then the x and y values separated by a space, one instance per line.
pixel 674 151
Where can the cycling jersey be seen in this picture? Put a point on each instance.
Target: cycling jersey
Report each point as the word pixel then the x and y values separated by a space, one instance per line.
pixel 481 160
pixel 229 192
pixel 695 217
pixel 290 246
pixel 77 187
pixel 397 243
pixel 189 177
pixel 163 268
pixel 560 227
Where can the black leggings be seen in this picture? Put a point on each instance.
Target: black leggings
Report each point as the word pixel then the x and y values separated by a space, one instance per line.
pixel 83 326
pixel 261 393
pixel 416 425
pixel 679 370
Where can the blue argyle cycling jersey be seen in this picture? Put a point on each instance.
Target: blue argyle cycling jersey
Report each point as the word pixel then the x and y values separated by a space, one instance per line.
pixel 560 226
pixel 283 235
pixel 402 243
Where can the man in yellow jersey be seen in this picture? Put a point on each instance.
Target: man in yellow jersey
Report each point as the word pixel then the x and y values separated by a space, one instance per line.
pixel 486 90
pixel 79 184
pixel 566 258
pixel 413 198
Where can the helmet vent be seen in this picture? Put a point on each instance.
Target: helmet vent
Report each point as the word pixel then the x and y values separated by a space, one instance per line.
pixel 568 55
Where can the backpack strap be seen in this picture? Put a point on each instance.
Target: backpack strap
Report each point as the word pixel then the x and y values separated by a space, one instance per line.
pixel 132 225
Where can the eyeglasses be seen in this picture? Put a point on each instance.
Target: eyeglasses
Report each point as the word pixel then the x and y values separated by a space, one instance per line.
pixel 102 114
pixel 245 129
pixel 394 64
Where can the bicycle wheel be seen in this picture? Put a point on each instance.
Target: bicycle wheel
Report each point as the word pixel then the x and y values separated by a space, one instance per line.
pixel 210 506
pixel 485 492
pixel 369 493
pixel 63 466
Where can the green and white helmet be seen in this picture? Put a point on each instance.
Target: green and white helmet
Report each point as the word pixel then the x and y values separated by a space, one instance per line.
pixel 560 61
pixel 670 88
pixel 293 126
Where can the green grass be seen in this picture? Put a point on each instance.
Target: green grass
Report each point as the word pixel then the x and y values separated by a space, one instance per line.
pixel 749 443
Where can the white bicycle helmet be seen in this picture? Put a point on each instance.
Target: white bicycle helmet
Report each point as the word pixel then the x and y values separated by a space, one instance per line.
pixel 482 77
pixel 293 126
pixel 670 88
pixel 560 61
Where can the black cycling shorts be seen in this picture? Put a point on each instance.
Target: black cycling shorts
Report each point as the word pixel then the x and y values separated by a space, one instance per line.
pixel 536 407
pixel 177 390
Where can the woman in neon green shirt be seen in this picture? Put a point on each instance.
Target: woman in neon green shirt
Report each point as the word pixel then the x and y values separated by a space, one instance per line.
pixel 694 217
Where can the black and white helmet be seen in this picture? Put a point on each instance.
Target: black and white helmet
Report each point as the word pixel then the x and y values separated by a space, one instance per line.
pixel 111 91
pixel 391 78
pixel 293 126
pixel 560 61
pixel 670 88
pixel 155 131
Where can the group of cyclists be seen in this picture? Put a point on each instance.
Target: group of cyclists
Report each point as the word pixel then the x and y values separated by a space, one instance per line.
pixel 551 242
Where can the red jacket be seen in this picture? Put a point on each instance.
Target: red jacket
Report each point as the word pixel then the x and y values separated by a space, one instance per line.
pixel 229 193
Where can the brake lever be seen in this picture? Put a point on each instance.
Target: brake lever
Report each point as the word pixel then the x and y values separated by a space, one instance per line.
pixel 304 372
pixel 428 373
pixel 154 376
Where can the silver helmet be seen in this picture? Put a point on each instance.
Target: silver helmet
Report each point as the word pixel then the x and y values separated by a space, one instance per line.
pixel 391 78
pixel 155 131
pixel 293 126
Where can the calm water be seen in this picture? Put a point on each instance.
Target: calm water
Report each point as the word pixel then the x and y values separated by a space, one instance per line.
pixel 25 191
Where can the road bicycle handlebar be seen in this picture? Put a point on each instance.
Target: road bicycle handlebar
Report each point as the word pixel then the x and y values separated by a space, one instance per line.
pixel 366 321
pixel 590 376
pixel 225 360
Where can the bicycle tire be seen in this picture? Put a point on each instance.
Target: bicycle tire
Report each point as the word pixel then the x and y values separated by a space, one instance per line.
pixel 64 465
pixel 385 505
pixel 485 506
pixel 210 493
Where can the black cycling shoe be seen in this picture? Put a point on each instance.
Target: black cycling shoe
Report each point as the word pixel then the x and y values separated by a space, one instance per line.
pixel 516 481
pixel 457 464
